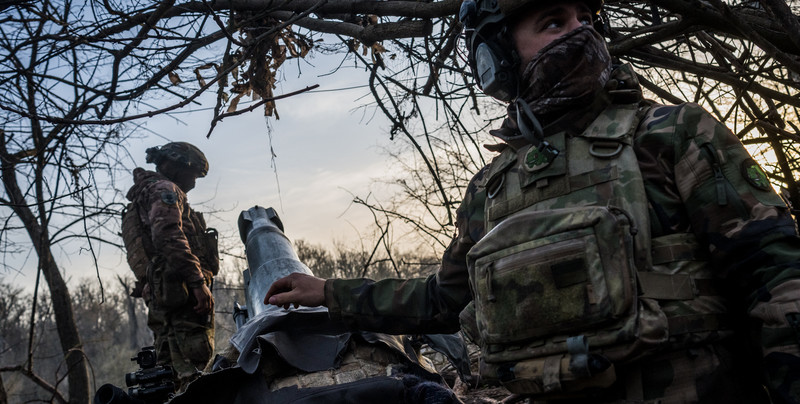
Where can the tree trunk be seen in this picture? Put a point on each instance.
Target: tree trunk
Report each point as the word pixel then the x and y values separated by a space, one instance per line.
pixel 3 396
pixel 134 321
pixel 77 366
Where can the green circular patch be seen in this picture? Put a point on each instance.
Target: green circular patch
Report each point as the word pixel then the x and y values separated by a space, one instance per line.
pixel 754 175
pixel 538 158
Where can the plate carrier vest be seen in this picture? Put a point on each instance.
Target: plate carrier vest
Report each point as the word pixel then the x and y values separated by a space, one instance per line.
pixel 568 281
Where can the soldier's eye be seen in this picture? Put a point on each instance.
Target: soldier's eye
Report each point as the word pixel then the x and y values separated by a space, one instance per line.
pixel 552 24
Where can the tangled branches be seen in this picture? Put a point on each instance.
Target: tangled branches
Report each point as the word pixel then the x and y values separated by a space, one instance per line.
pixel 741 62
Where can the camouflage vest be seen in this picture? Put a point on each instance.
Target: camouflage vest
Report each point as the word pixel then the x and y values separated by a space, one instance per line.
pixel 567 281
pixel 141 253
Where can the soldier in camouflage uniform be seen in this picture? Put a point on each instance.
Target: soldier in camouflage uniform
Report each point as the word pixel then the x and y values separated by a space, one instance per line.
pixel 182 257
pixel 615 251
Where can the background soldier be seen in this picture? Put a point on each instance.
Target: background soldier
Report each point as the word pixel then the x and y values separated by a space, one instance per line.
pixel 174 257
pixel 615 251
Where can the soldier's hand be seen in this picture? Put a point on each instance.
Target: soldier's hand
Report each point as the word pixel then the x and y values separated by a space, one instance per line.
pixel 205 300
pixel 296 289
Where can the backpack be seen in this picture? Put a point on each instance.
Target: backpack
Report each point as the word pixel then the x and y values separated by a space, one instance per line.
pixel 136 239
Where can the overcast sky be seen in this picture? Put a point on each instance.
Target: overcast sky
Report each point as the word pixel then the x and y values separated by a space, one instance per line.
pixel 326 147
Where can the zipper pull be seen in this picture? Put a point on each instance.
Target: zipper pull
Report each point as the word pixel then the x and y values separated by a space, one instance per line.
pixel 719 178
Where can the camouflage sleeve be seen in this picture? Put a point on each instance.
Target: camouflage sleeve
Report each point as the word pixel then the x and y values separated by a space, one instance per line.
pixel 728 202
pixel 166 204
pixel 424 305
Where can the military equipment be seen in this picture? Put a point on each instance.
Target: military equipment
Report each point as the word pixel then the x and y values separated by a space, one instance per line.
pixel 183 153
pixel 301 355
pixel 110 394
pixel 138 246
pixel 270 256
pixel 492 59
pixel 151 384
pixel 565 260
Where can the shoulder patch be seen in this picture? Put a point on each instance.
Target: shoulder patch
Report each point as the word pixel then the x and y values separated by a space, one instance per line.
pixel 660 114
pixel 169 197
pixel 538 158
pixel 754 175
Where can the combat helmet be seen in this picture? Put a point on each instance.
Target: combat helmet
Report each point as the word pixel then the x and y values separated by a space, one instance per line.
pixel 491 54
pixel 183 153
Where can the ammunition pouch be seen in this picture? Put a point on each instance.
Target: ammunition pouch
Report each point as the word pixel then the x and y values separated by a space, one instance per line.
pixel 205 244
pixel 210 242
pixel 542 276
pixel 575 271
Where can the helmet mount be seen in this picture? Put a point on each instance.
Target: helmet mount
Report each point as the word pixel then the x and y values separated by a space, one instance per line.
pixel 181 154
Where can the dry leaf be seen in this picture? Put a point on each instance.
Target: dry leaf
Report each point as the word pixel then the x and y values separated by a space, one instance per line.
pixel 234 103
pixel 353 45
pixel 174 78
pixel 292 50
pixel 199 77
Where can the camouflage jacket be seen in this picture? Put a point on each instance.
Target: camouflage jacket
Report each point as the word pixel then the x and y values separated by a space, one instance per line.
pixel 174 227
pixel 721 196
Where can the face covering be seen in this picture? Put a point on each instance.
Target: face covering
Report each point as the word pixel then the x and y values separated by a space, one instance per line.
pixel 567 73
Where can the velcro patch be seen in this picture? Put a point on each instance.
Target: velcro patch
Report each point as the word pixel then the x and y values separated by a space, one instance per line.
pixel 169 197
pixel 754 175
